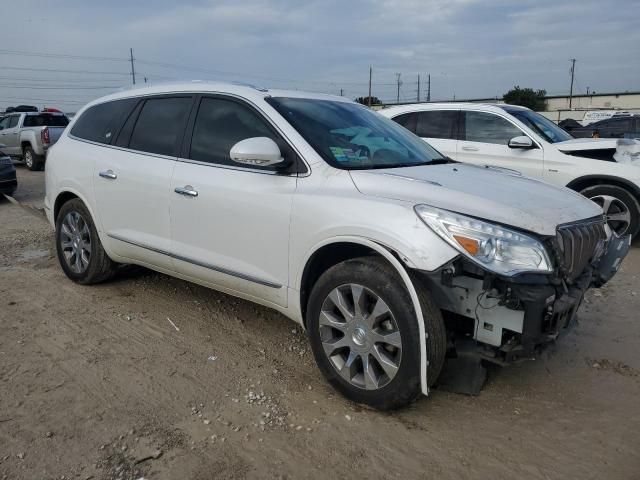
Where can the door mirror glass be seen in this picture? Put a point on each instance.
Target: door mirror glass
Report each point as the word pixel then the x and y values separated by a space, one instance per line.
pixel 256 151
pixel 521 142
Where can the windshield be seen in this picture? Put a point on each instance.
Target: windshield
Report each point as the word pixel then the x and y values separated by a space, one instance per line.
pixel 544 127
pixel 352 137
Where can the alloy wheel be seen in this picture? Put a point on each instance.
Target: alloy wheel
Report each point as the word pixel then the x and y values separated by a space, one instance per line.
pixel 360 336
pixel 616 213
pixel 75 239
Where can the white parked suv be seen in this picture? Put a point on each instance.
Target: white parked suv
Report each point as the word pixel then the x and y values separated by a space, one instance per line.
pixel 386 252
pixel 519 139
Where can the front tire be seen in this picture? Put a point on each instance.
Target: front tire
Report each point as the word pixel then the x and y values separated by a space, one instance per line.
pixel 365 337
pixel 620 207
pixel 80 252
pixel 32 161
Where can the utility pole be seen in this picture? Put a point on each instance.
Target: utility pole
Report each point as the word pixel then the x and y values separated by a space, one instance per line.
pixel 370 74
pixel 429 88
pixel 573 69
pixel 145 79
pixel 418 88
pixel 398 75
pixel 133 70
pixel 587 90
pixel 342 92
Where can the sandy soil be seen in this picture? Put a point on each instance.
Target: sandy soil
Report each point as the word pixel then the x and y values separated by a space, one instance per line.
pixel 96 382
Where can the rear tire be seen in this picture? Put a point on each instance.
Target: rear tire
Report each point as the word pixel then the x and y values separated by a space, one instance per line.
pixel 32 161
pixel 78 246
pixel 615 202
pixel 346 350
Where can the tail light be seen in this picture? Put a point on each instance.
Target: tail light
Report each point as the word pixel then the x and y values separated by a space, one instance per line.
pixel 44 134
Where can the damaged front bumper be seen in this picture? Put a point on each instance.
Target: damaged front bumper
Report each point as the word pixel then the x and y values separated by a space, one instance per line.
pixel 513 318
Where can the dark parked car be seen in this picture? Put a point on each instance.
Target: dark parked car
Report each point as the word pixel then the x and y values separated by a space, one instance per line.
pixel 569 124
pixel 621 126
pixel 8 180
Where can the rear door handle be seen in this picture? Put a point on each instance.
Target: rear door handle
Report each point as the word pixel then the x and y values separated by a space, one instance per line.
pixel 467 148
pixel 187 190
pixel 109 174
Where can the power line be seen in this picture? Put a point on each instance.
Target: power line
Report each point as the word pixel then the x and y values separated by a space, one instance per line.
pixel 49 80
pixel 252 75
pixel 63 71
pixel 59 55
pixel 79 102
pixel 76 87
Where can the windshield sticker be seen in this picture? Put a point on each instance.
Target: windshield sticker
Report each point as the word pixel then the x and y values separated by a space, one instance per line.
pixel 344 154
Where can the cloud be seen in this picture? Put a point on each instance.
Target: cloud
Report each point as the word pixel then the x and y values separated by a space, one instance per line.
pixel 471 48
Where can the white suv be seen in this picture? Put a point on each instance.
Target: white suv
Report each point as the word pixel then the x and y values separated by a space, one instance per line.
pixel 520 139
pixel 385 251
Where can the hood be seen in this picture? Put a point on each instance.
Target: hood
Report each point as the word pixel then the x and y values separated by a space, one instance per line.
pixel 512 200
pixel 586 144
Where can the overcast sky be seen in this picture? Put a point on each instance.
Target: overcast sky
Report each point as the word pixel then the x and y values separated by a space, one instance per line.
pixel 471 48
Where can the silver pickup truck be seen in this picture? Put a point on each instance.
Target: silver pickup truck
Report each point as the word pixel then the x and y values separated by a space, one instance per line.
pixel 28 135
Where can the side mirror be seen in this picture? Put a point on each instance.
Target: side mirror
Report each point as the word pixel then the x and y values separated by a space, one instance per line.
pixel 257 151
pixel 521 142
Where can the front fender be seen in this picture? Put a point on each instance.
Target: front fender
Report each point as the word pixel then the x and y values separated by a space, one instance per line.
pixel 395 263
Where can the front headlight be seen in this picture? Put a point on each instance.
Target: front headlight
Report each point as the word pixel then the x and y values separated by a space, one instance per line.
pixel 493 247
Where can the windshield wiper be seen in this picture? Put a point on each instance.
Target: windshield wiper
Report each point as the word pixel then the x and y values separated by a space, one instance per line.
pixel 441 161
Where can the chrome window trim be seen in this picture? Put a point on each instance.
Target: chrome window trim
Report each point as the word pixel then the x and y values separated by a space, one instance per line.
pixel 238 168
pixel 188 160
pixel 198 263
pixel 122 149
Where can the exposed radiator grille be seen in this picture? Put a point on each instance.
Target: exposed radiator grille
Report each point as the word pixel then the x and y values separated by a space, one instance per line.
pixel 578 244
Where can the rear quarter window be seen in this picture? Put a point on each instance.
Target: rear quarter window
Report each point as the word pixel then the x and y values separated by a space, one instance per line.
pixel 101 122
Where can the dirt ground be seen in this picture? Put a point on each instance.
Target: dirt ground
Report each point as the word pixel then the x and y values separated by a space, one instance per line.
pixel 149 376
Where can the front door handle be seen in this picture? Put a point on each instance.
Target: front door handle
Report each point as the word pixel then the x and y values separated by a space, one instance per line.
pixel 467 148
pixel 109 174
pixel 187 190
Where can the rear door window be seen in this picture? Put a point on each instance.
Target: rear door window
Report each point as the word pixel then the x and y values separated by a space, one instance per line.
pixel 160 125
pixel 13 121
pixel 488 128
pixel 438 124
pixel 408 121
pixel 100 122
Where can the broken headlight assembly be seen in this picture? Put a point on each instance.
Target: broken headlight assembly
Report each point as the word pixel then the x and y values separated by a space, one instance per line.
pixel 492 247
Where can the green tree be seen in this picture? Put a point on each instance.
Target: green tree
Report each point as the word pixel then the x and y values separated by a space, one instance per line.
pixel 365 100
pixel 526 97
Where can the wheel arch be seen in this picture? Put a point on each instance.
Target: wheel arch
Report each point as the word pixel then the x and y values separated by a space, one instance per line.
pixel 586 181
pixel 332 251
pixel 67 194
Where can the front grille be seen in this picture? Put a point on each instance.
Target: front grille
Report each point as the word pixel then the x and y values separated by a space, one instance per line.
pixel 578 244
